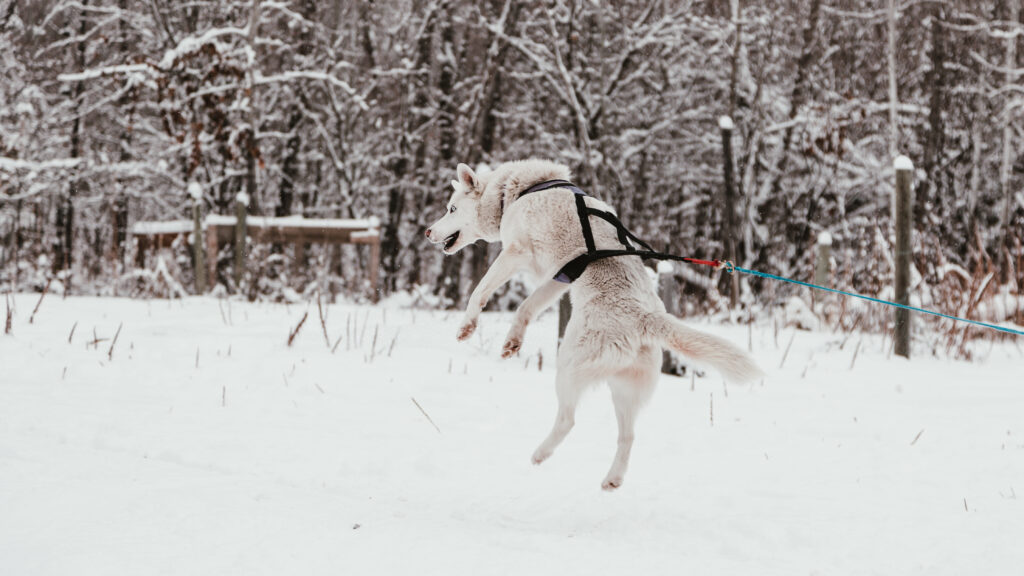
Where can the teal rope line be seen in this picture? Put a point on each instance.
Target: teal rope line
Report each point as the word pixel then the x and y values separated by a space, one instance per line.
pixel 729 267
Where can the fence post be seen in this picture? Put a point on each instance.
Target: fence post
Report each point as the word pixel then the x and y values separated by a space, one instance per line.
pixel 903 205
pixel 375 259
pixel 564 312
pixel 241 208
pixel 198 253
pixel 667 293
pixel 731 233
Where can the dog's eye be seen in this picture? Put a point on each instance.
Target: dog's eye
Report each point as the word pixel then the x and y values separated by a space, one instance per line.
pixel 451 209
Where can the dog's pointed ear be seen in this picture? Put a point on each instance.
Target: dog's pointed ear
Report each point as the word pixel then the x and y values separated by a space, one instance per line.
pixel 456 184
pixel 467 176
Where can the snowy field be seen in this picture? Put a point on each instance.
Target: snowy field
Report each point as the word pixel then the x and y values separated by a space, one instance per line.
pixel 202 443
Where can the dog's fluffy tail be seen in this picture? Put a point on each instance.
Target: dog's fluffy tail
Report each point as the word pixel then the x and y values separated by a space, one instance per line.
pixel 735 364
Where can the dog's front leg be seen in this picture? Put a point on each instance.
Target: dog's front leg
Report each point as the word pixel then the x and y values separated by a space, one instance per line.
pixel 506 264
pixel 534 304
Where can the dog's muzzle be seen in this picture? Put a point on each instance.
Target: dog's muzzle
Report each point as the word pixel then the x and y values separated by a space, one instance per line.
pixel 451 240
pixel 448 242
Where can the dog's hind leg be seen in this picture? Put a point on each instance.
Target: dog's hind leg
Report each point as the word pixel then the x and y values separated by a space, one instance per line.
pixel 570 382
pixel 630 388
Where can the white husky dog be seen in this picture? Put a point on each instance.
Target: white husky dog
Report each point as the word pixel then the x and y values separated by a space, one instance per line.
pixel 618 325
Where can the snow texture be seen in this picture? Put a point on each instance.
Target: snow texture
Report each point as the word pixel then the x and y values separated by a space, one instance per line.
pixel 824 238
pixel 202 443
pixel 725 123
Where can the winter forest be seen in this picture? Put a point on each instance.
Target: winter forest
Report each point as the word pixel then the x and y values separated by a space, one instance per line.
pixel 110 109
pixel 185 389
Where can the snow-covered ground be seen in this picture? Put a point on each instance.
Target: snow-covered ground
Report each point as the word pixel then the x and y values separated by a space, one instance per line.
pixel 204 444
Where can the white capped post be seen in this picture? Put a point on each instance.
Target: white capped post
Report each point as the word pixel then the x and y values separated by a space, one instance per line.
pixel 903 205
pixel 241 207
pixel 198 252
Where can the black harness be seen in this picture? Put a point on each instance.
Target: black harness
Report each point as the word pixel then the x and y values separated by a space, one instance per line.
pixel 575 267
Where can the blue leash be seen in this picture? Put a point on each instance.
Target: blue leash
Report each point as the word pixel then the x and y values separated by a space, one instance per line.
pixel 729 267
pixel 575 267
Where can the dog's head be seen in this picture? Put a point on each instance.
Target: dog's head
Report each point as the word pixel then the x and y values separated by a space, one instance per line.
pixel 460 225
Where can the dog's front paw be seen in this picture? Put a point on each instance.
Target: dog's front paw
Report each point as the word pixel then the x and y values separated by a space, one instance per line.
pixel 511 347
pixel 466 330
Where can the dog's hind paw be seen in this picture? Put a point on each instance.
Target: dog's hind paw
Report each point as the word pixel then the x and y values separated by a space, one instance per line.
pixel 611 483
pixel 466 330
pixel 511 347
pixel 539 456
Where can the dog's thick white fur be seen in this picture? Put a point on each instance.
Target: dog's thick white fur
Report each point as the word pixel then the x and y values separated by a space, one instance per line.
pixel 618 325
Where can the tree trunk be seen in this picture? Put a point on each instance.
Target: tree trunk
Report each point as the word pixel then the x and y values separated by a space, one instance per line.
pixel 487 120
pixel 289 166
pixel 932 190
pixel 798 96
pixel 894 134
pixel 253 155
pixel 730 233
pixel 1009 155
pixel 119 210
pixel 65 218
pixel 450 281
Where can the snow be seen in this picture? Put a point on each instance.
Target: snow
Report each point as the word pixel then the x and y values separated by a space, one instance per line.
pixel 201 443
pixel 902 163
pixel 296 221
pixel 665 267
pixel 799 314
pixel 12 164
pixel 368 227
pixel 311 75
pixel 195 191
pixel 192 43
pixel 824 238
pixel 166 227
pixel 105 71
pixel 725 123
pixel 242 198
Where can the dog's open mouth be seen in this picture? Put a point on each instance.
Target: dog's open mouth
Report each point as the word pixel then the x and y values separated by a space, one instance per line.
pixel 450 241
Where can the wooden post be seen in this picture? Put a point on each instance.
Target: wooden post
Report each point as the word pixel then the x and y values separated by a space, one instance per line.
pixel 142 244
pixel 564 312
pixel 729 205
pixel 241 208
pixel 196 191
pixel 823 254
pixel 375 268
pixel 667 293
pixel 903 205
pixel 212 250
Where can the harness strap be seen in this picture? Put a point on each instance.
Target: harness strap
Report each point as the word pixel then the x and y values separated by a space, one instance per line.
pixel 623 232
pixel 575 267
pixel 584 214
pixel 548 184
